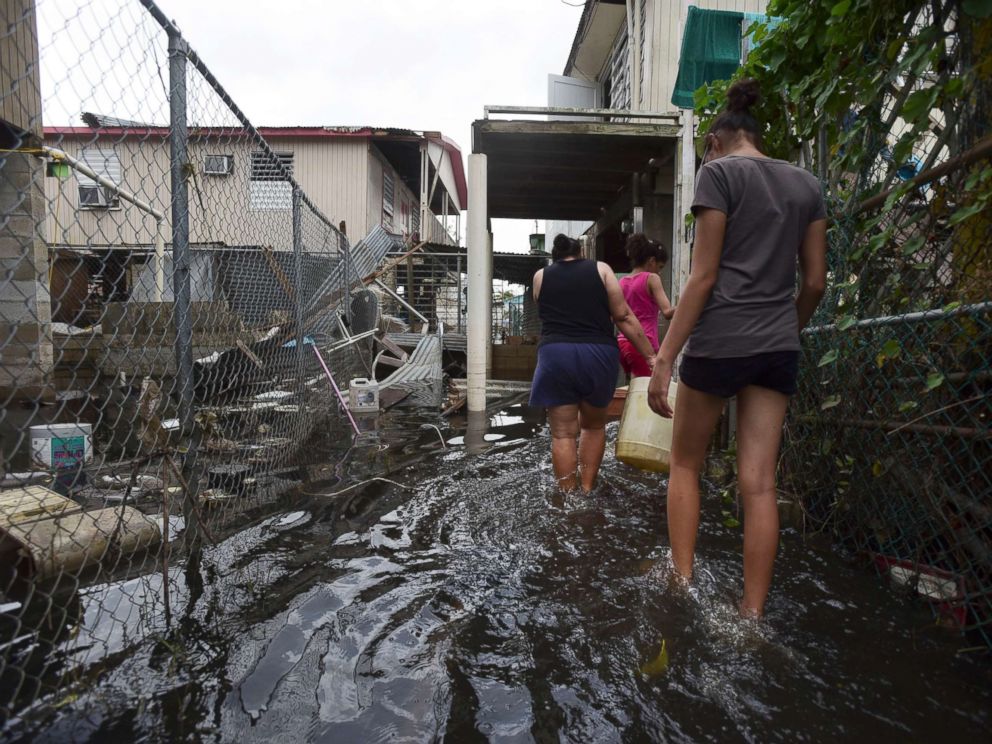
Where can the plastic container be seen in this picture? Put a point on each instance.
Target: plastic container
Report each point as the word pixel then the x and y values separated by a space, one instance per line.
pixel 363 395
pixel 61 446
pixel 645 438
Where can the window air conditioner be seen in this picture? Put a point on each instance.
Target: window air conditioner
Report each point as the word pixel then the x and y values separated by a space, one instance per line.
pixel 218 165
pixel 97 197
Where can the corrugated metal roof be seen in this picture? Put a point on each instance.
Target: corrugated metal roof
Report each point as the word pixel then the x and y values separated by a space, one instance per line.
pixel 98 121
pixel 366 256
pixel 423 364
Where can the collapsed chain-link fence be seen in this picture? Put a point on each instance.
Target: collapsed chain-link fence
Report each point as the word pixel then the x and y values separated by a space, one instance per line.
pixel 175 315
pixel 889 444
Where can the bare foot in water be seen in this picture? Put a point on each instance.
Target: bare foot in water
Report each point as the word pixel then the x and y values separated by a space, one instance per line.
pixel 749 613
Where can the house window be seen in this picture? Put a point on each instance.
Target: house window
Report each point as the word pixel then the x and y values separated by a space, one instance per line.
pixel 269 187
pixel 92 195
pixel 619 72
pixel 388 195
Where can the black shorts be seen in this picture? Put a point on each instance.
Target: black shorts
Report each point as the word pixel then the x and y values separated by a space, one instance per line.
pixel 775 370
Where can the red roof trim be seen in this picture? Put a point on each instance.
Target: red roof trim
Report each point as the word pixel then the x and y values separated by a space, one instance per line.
pixel 316 132
pixel 454 152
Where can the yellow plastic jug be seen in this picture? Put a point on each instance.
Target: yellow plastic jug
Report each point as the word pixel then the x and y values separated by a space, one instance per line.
pixel 645 438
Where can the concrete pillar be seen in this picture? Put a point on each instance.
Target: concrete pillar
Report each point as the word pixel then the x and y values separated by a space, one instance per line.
pixel 489 310
pixel 25 301
pixel 480 282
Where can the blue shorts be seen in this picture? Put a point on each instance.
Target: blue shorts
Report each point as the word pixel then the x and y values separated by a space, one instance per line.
pixel 724 377
pixel 572 373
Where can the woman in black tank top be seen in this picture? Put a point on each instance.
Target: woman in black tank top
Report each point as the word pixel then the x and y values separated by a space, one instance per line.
pixel 578 359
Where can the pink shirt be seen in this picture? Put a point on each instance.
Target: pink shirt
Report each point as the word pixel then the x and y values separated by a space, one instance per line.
pixel 641 302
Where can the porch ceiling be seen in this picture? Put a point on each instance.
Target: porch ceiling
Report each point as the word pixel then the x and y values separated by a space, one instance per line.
pixel 565 170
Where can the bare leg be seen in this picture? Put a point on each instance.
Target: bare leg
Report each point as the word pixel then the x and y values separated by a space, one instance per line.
pixel 592 443
pixel 760 415
pixel 696 415
pixel 564 423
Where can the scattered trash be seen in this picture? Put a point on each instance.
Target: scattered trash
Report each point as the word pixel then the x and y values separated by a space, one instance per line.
pixel 43 534
pixel 230 478
pixel 146 483
pixel 363 395
pixel 176 525
pixel 274 395
pixel 59 446
pixel 658 665
pixel 938 586
pixel 216 496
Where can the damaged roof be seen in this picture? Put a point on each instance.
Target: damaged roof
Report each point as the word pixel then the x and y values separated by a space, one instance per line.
pixel 114 127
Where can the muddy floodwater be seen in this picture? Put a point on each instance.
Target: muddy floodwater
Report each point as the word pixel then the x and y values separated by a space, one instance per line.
pixel 468 601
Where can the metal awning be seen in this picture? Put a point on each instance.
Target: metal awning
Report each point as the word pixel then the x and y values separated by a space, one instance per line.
pixel 567 170
pixel 515 268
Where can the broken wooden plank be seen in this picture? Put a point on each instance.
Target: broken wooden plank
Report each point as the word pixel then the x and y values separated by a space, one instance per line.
pixel 279 274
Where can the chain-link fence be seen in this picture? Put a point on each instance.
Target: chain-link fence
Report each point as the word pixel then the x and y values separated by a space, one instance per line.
pixel 175 314
pixel 889 443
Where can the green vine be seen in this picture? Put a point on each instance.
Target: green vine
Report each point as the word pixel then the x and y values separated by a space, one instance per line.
pixel 869 94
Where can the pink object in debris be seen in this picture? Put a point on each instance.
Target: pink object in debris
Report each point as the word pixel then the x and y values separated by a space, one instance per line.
pixel 337 392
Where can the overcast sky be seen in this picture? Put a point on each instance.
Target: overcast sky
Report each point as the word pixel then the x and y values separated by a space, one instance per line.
pixel 417 64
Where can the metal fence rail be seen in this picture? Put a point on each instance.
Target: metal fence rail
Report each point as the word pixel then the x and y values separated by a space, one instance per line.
pixel 889 441
pixel 167 288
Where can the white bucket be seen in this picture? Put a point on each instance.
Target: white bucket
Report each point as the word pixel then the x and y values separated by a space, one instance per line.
pixel 645 438
pixel 363 395
pixel 61 446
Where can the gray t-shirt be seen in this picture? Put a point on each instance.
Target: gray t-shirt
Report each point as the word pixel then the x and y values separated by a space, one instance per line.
pixel 769 204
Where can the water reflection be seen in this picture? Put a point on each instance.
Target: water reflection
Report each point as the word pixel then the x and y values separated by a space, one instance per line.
pixel 484 605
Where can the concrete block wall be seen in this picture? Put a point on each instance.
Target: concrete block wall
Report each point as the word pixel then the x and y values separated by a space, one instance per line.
pixel 26 356
pixel 25 301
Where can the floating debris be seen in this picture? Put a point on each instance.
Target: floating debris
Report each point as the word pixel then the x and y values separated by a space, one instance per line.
pixel 274 395
pixel 44 534
pixel 657 665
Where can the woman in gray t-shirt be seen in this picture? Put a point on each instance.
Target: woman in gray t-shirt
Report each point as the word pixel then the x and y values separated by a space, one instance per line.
pixel 758 220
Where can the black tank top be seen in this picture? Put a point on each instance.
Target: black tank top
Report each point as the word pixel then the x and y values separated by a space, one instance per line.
pixel 573 305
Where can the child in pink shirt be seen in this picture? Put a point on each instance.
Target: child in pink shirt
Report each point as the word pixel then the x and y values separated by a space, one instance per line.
pixel 646 297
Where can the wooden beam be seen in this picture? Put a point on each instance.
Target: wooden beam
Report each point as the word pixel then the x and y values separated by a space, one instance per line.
pixel 574 111
pixel 625 129
pixel 277 270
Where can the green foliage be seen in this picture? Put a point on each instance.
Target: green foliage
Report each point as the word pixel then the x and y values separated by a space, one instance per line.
pixel 829 358
pixel 978 8
pixel 823 67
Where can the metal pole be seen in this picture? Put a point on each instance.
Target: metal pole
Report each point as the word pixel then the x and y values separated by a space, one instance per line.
pixel 297 298
pixel 347 277
pixel 178 143
pixel 480 282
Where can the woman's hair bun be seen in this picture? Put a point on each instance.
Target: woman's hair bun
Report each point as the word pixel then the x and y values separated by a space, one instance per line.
pixel 562 244
pixel 743 94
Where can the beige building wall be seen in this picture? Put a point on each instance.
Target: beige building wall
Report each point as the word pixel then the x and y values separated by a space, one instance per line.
pixel 665 20
pixel 331 172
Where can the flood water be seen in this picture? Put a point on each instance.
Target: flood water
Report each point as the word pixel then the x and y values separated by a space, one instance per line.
pixel 474 603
